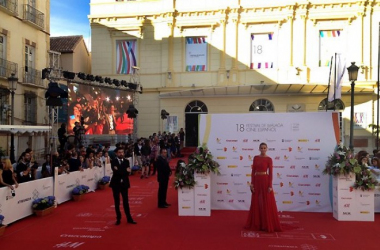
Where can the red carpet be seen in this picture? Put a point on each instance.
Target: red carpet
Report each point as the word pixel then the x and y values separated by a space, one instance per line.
pixel 89 224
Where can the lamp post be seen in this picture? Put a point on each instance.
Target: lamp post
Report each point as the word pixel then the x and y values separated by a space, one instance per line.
pixel 352 76
pixel 12 80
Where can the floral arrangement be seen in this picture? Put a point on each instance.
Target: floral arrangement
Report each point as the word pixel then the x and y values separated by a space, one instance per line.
pixel 43 203
pixel 201 161
pixel 365 180
pixel 1 219
pixel 81 189
pixel 341 162
pixel 103 181
pixel 184 176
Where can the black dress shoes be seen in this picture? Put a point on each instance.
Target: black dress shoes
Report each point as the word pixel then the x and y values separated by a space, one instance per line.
pixel 117 222
pixel 165 206
pixel 132 222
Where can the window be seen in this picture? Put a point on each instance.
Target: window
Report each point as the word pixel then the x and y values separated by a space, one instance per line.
pixel 261 105
pixel 4 107
pixel 30 103
pixel 125 56
pixel 330 42
pixel 29 64
pixel 263 51
pixel 196 53
pixel 3 62
pixel 196 107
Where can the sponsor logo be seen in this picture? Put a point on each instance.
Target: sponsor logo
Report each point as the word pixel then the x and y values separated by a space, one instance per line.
pixel 220 200
pixel 183 207
pixel 232 166
pixel 241 158
pixel 292 167
pixel 241 201
pixel 314 158
pixel 300 193
pixel 206 186
pixel 299 149
pixel 364 195
pixel 271 149
pixel 303 140
pixel 24 200
pixel 345 198
pixel 250 157
pixel 299 158
pixel 292 175
pixel 228 191
pixel 291 193
pixel 225 149
pixel 305 167
pixel 281 184
pixel 221 183
pixel 305 176
pixel 279 176
pixel 347 205
pixel 218 141
pixel 45 187
pixel 202 209
pixel 317 140
pixel 316 167
pixel 255 140
pixel 316 176
pixel 230 201
pixel 304 185
pixel 270 140
pixel 247 149
pixel 238 184
pixel 346 213
pixel 219 192
pixel 231 140
pixel 364 212
pixel 278 166
pixel 234 149
pixel 84 176
pixel 70 186
pixel 287 202
pixel 248 175
pixel 315 194
pixel 286 157
pixel 61 183
pixel 313 149
pixel 88 180
pixel 291 184
pixel 202 201
pixel 241 192
pixel 246 166
pixel 277 158
pixel 235 175
pixel 245 140
pixel 286 140
pixel 221 157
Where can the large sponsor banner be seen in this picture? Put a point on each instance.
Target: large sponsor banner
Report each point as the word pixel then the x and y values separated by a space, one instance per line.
pixel 298 143
pixel 196 54
pixel 344 202
pixel 19 206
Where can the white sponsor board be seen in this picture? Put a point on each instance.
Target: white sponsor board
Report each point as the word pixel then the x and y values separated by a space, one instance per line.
pixel 298 143
pixel 19 206
pixel 365 207
pixel 186 202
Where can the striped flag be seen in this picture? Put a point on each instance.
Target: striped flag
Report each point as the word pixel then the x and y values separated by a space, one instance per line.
pixel 125 56
pixel 338 70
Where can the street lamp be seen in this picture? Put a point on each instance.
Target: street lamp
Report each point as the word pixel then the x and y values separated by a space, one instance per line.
pixel 12 80
pixel 352 76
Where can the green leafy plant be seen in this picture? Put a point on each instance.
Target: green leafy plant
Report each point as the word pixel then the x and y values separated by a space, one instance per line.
pixel 365 180
pixel 184 176
pixel 341 162
pixel 201 161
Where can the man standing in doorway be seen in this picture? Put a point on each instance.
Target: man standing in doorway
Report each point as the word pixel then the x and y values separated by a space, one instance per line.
pixel 163 174
pixel 120 185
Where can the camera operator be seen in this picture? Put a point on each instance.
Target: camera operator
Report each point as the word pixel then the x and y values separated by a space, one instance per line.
pixel 24 171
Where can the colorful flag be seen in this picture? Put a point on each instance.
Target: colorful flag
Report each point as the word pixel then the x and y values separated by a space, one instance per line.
pixel 338 70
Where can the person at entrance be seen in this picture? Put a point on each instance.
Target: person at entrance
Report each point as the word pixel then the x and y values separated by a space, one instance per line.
pixel 120 185
pixel 263 215
pixel 163 174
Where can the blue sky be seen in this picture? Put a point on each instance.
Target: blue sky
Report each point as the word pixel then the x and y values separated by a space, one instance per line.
pixel 69 17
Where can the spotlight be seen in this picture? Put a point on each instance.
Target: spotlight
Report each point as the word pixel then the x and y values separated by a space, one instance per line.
pixel 90 77
pixel 68 75
pixel 132 111
pixel 99 79
pixel 54 94
pixel 107 80
pixel 124 83
pixel 132 85
pixel 82 76
pixel 164 114
pixel 116 82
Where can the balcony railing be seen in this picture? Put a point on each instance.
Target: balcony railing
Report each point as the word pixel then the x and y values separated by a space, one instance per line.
pixel 7 68
pixel 34 16
pixel 9 6
pixel 32 76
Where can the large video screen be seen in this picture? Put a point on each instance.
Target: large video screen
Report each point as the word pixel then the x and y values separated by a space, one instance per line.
pixel 101 110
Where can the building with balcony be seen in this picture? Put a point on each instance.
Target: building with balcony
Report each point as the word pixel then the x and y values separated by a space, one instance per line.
pixel 239 56
pixel 24 42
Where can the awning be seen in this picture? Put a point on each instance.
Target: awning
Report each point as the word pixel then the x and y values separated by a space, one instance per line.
pixel 264 89
pixel 22 129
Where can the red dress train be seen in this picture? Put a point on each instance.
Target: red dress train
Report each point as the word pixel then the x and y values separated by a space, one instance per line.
pixel 263 215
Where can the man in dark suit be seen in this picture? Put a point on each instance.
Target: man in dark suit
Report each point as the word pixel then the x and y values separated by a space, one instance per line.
pixel 163 174
pixel 120 184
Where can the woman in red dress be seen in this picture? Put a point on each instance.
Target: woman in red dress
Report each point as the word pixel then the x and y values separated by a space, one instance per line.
pixel 263 215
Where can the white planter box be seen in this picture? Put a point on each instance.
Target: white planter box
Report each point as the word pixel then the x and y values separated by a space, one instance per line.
pixel 365 205
pixel 186 202
pixel 344 204
pixel 202 195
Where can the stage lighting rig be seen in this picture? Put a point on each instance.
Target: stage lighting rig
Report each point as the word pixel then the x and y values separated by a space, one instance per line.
pixel 116 82
pixel 99 79
pixel 124 83
pixel 107 80
pixel 54 94
pixel 68 75
pixel 82 76
pixel 90 78
pixel 164 114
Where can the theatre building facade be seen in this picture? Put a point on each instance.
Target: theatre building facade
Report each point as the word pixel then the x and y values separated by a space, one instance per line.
pixel 240 56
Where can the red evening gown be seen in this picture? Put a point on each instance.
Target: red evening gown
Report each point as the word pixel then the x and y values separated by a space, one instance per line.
pixel 263 215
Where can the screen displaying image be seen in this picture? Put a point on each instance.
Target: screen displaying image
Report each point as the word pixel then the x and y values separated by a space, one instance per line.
pixel 102 111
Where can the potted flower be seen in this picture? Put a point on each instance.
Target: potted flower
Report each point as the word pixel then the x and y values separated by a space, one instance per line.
pixel 2 226
pixel 341 162
pixel 201 161
pixel 79 191
pixel 184 176
pixel 365 180
pixel 43 206
pixel 103 183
